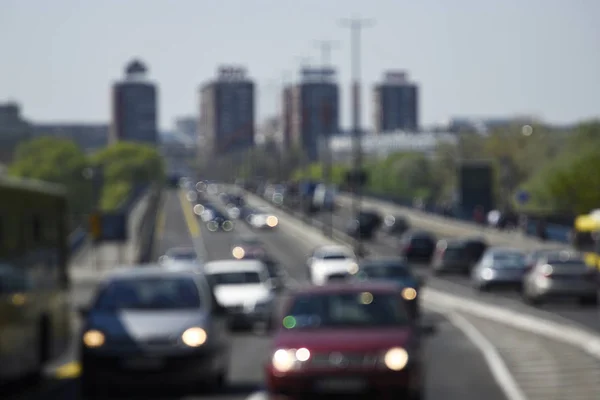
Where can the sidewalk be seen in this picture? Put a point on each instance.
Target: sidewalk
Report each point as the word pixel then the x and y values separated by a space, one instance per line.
pixel 91 263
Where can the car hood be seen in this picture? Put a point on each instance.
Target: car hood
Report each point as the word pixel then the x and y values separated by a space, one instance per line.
pixel 237 295
pixel 332 266
pixel 145 324
pixel 365 339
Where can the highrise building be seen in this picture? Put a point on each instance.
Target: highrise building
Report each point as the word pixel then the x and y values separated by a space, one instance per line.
pixel 311 110
pixel 227 112
pixel 396 103
pixel 134 107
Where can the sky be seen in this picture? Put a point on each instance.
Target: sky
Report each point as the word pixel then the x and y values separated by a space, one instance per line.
pixel 475 58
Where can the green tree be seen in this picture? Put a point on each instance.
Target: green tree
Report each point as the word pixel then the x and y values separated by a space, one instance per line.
pixel 127 165
pixel 57 161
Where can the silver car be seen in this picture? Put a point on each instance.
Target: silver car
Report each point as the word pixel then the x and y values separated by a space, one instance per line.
pixel 180 256
pixel 150 325
pixel 499 267
pixel 562 275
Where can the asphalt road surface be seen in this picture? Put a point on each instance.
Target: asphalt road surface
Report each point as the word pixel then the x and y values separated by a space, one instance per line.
pixel 455 367
pixel 384 244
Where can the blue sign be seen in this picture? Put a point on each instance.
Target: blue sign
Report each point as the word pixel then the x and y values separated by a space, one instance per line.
pixel 522 197
pixel 114 227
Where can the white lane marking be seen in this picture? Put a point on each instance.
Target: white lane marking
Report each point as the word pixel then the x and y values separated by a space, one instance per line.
pixel 257 396
pixel 495 362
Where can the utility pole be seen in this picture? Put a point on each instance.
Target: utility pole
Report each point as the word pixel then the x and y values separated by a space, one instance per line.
pixel 356 25
pixel 326 46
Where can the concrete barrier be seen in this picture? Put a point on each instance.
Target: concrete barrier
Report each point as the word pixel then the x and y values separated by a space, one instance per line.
pixel 450 227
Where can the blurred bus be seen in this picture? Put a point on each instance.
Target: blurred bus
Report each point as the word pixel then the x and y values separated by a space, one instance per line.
pixel 35 321
pixel 586 237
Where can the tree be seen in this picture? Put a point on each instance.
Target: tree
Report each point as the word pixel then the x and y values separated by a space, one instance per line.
pixel 569 184
pixel 57 161
pixel 127 166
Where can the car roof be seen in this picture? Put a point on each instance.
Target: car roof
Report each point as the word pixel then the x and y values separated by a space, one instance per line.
pixel 333 249
pixel 244 265
pixel 344 287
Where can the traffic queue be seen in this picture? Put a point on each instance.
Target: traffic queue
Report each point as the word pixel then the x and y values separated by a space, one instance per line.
pixel 352 328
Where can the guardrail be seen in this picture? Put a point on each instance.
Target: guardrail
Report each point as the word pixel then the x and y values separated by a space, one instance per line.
pixel 79 236
pixel 556 232
pixel 147 226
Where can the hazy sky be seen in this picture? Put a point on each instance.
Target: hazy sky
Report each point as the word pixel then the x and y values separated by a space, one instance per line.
pixel 58 58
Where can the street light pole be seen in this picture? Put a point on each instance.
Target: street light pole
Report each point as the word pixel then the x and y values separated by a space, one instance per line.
pixel 356 25
pixel 326 46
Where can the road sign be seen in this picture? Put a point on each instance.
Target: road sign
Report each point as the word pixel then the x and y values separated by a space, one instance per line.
pixel 110 227
pixel 95 226
pixel 114 227
pixel 522 197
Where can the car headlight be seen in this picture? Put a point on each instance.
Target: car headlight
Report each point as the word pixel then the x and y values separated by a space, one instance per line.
pixel 272 221
pixel 487 274
pixel 353 268
pixel 238 253
pixel 409 293
pixel 396 359
pixel 93 338
pixel 285 360
pixel 194 337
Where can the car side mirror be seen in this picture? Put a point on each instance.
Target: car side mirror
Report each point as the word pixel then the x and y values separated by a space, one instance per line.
pixel 309 260
pixel 162 259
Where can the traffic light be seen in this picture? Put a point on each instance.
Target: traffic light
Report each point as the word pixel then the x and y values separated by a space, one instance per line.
pixel 95 226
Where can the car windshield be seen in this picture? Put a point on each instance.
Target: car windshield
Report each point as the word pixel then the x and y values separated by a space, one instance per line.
pixel 236 278
pixel 149 293
pixel 338 256
pixel 453 253
pixel 341 310
pixel 508 260
pixel 394 271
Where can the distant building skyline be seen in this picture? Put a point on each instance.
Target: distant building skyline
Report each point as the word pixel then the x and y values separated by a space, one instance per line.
pixel 311 110
pixel 395 103
pixel 227 112
pixel 134 107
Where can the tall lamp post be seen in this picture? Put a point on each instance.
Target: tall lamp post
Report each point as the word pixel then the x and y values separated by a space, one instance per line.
pixel 356 25
pixel 326 46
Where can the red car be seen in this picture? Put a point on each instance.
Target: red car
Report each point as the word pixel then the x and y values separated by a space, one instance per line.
pixel 346 339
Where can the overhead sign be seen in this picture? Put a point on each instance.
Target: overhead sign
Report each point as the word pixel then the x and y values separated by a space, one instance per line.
pixel 318 74
pixel 110 227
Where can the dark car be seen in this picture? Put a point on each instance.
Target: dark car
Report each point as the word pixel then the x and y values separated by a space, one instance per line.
pixel 364 225
pixel 395 224
pixel 346 339
pixel 475 249
pixel 417 246
pixel 394 270
pixel 150 326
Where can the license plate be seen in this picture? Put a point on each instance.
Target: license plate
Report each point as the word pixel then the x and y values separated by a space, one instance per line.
pixel 144 363
pixel 341 385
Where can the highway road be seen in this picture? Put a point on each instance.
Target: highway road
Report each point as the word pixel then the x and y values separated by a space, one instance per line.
pixel 456 367
pixel 444 351
pixel 384 244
